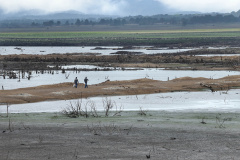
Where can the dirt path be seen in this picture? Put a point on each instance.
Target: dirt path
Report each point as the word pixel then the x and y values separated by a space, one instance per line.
pixel 65 91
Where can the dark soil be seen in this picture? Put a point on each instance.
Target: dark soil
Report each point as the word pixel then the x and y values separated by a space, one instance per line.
pixel 185 60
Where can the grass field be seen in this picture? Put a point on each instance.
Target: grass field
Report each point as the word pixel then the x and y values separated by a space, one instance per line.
pixel 137 37
pixel 193 33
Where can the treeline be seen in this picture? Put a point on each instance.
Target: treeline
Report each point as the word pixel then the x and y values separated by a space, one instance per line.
pixel 138 20
pixel 151 20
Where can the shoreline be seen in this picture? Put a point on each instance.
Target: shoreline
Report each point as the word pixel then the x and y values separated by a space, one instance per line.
pixel 190 101
pixel 65 91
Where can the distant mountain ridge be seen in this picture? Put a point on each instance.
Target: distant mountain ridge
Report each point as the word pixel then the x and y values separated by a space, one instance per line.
pixel 40 15
pixel 132 8
pixel 47 16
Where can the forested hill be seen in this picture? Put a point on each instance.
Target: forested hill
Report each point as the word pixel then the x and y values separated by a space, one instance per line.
pixel 177 19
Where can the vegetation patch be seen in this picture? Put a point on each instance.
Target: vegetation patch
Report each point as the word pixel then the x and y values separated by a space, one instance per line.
pixel 187 37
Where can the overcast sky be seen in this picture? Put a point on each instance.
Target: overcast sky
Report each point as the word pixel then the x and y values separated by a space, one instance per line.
pixel 116 7
pixel 204 5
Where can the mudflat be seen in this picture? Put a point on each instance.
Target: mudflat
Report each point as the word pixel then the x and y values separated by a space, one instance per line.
pixel 66 91
pixel 130 135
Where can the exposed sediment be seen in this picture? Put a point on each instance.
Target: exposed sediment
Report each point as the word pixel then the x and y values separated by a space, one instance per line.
pixel 65 91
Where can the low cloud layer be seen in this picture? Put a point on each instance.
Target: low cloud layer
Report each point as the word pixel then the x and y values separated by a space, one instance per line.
pixel 120 7
pixel 85 6
pixel 203 5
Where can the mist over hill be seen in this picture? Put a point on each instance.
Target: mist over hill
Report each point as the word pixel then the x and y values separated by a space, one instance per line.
pixel 41 15
pixel 130 8
pixel 137 12
pixel 71 14
pixel 72 9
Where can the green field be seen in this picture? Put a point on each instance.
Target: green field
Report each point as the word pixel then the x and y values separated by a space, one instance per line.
pixel 140 37
pixel 194 33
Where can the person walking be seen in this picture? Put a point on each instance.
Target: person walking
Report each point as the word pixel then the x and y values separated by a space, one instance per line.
pixel 76 82
pixel 85 81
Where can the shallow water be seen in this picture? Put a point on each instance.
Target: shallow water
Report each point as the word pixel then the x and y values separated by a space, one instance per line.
pixel 7 50
pixel 177 101
pixel 96 77
pixel 44 50
pixel 221 101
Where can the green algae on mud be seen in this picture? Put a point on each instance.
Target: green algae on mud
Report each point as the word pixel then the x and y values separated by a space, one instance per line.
pixel 163 135
pixel 132 118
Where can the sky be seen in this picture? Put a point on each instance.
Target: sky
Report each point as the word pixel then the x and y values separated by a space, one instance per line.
pixel 117 7
pixel 224 6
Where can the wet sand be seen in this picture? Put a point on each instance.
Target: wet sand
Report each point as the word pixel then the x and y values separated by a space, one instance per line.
pixel 66 91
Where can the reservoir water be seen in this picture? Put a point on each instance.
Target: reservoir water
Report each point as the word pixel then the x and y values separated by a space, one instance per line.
pixel 177 101
pixel 96 77
pixel 218 102
pixel 7 50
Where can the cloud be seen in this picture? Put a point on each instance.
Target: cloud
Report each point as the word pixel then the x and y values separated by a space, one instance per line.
pixel 119 7
pixel 85 6
pixel 203 5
